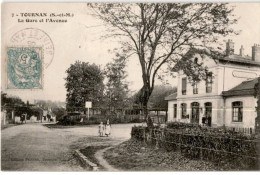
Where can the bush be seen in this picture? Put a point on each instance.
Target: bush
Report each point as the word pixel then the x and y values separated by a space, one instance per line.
pixel 66 121
pixel 213 144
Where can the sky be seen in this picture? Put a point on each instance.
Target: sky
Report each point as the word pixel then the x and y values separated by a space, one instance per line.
pixel 80 39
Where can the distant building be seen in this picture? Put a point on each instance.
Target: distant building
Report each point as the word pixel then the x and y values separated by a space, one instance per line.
pixel 226 97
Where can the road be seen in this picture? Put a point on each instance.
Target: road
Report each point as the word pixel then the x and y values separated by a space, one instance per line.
pixel 34 147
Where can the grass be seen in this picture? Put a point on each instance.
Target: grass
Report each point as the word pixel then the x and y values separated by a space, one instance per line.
pixel 90 151
pixel 134 155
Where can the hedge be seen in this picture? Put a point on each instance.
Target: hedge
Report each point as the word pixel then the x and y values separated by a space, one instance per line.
pixel 212 144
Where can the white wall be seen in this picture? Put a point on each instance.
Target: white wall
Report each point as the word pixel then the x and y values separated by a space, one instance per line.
pixel 225 77
pixel 230 76
pixel 249 111
pixel 170 110
pixel 216 109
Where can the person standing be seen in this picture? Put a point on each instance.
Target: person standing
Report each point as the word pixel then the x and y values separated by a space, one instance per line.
pixel 108 129
pixel 101 129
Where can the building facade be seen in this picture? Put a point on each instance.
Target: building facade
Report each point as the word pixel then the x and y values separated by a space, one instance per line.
pixel 226 97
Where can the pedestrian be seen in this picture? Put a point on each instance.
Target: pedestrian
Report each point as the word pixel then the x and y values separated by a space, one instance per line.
pixel 204 119
pixel 101 129
pixel 108 129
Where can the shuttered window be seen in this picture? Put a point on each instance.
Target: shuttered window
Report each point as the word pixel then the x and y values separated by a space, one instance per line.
pixel 183 110
pixel 175 111
pixel 184 86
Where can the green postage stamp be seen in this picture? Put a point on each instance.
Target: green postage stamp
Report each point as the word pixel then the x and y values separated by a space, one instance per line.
pixel 24 68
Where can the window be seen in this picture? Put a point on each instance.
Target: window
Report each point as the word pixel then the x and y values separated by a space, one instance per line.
pixel 209 83
pixel 208 109
pixel 237 111
pixel 184 86
pixel 183 110
pixel 195 87
pixel 196 60
pixel 195 112
pixel 175 111
pixel 208 113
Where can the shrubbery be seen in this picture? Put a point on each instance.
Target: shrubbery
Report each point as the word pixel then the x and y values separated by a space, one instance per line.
pixel 213 144
pixel 96 119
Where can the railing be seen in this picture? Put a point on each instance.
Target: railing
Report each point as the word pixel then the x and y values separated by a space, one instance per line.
pixel 247 131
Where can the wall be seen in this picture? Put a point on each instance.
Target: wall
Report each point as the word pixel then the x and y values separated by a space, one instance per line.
pixel 3 118
pixel 215 109
pixel 225 77
pixel 211 64
pixel 170 110
pixel 230 76
pixel 249 111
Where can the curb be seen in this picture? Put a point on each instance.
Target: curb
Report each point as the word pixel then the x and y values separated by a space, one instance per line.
pixel 99 155
pixel 84 160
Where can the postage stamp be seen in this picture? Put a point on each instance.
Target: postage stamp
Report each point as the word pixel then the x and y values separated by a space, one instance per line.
pixel 33 37
pixel 24 68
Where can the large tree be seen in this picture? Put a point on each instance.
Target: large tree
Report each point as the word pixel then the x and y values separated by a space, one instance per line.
pixel 159 34
pixel 10 101
pixel 117 86
pixel 84 82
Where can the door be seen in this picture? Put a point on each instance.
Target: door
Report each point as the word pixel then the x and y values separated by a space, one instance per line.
pixel 195 113
pixel 208 113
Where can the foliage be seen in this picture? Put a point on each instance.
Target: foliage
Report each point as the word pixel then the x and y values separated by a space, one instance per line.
pixel 48 104
pixel 84 82
pixel 117 87
pixel 216 145
pixel 160 34
pixel 19 110
pixel 157 101
pixel 10 101
pixel 59 112
pixel 66 120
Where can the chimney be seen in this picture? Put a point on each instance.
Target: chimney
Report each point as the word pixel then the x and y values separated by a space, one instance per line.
pixel 230 47
pixel 242 51
pixel 256 52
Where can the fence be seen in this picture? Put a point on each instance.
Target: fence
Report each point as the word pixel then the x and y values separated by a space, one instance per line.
pixel 226 149
pixel 247 131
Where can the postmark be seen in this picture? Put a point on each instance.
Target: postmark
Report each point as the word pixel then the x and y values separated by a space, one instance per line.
pixel 24 68
pixel 31 37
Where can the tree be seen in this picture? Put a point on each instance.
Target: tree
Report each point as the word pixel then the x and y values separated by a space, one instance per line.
pixel 59 112
pixel 10 101
pixel 159 34
pixel 157 100
pixel 117 87
pixel 84 82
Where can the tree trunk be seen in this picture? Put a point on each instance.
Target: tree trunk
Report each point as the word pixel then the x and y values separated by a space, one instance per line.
pixel 146 96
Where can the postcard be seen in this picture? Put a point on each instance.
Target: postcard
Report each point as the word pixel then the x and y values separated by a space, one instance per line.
pixel 130 86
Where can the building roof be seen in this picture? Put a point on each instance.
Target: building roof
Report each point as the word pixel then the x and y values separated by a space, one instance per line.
pixel 234 59
pixel 244 88
pixel 171 97
pixel 238 59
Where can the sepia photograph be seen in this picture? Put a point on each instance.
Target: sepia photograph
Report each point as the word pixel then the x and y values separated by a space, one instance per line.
pixel 130 86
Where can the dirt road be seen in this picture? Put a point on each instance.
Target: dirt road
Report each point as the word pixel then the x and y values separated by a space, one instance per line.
pixel 34 147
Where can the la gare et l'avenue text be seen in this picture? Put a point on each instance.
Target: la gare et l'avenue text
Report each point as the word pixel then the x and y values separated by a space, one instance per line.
pixel 42 17
pixel 43 20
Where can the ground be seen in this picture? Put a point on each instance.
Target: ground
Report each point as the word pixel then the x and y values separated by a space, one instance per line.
pixel 34 147
pixel 135 155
